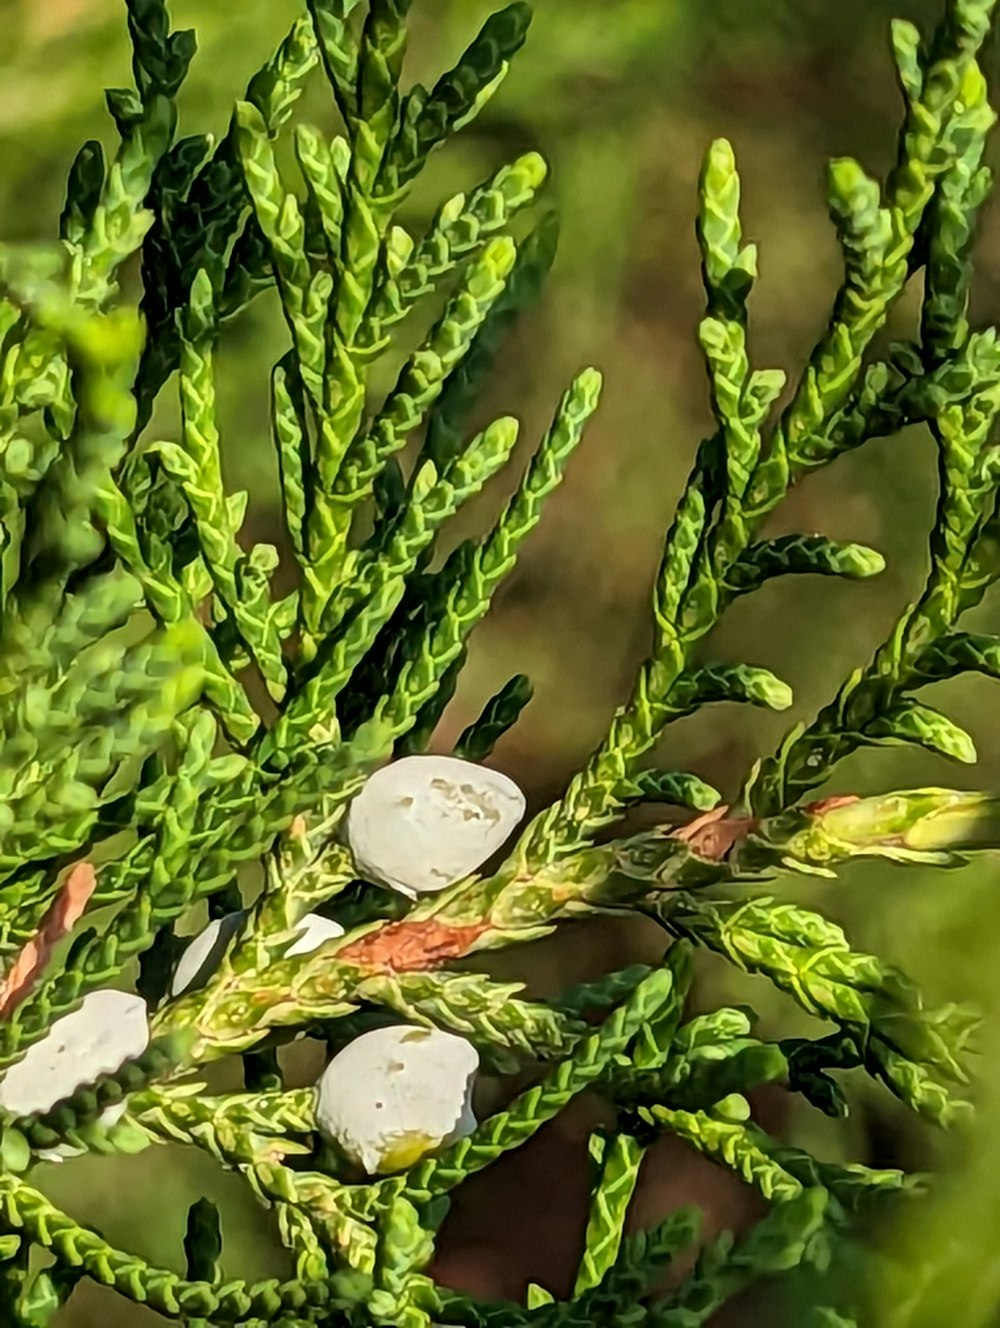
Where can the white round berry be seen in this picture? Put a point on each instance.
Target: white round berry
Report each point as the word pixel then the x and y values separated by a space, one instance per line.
pixel 425 822
pixel 109 1028
pixel 395 1094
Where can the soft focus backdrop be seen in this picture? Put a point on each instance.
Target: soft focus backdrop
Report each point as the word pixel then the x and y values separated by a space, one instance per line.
pixel 622 96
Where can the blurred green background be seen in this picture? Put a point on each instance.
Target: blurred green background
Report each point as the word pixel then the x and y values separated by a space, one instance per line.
pixel 623 97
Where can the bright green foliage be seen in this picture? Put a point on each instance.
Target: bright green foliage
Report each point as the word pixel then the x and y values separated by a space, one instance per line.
pixel 170 717
pixel 616 1164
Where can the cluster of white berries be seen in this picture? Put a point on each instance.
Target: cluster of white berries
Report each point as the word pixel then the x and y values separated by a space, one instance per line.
pixel 391 1095
pixel 418 826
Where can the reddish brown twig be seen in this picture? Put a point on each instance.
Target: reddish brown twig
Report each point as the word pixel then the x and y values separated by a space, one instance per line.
pixel 411 946
pixel 831 804
pixel 407 947
pixel 63 914
pixel 712 835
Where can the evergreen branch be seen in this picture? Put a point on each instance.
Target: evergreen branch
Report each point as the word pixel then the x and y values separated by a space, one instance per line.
pixel 418 387
pixel 500 714
pixel 469 596
pixel 912 1050
pixel 508 1129
pixel 461 227
pixel 733 1144
pixel 616 1161
pixel 200 236
pixel 378 589
pixel 783 1240
pixel 27 1210
pixel 480 1010
pixel 738 479
pixel 429 119
pixel 130 750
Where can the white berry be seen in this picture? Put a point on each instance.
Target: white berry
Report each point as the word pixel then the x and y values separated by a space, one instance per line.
pixel 425 822
pixel 395 1094
pixel 109 1028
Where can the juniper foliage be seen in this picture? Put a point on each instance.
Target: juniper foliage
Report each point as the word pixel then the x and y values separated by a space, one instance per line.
pixel 136 625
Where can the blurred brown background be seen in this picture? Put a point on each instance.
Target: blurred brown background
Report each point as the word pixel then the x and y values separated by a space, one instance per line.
pixel 622 96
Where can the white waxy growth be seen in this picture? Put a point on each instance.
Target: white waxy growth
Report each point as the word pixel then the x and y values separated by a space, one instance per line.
pixel 425 822
pixel 203 956
pixel 314 930
pixel 395 1094
pixel 109 1028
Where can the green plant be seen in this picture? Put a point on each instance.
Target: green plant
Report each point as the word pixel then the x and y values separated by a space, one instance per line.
pixel 170 721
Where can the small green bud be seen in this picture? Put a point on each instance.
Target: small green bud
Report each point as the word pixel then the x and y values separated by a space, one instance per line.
pixel 734 1108
pixel 860 561
pixel 15 1150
